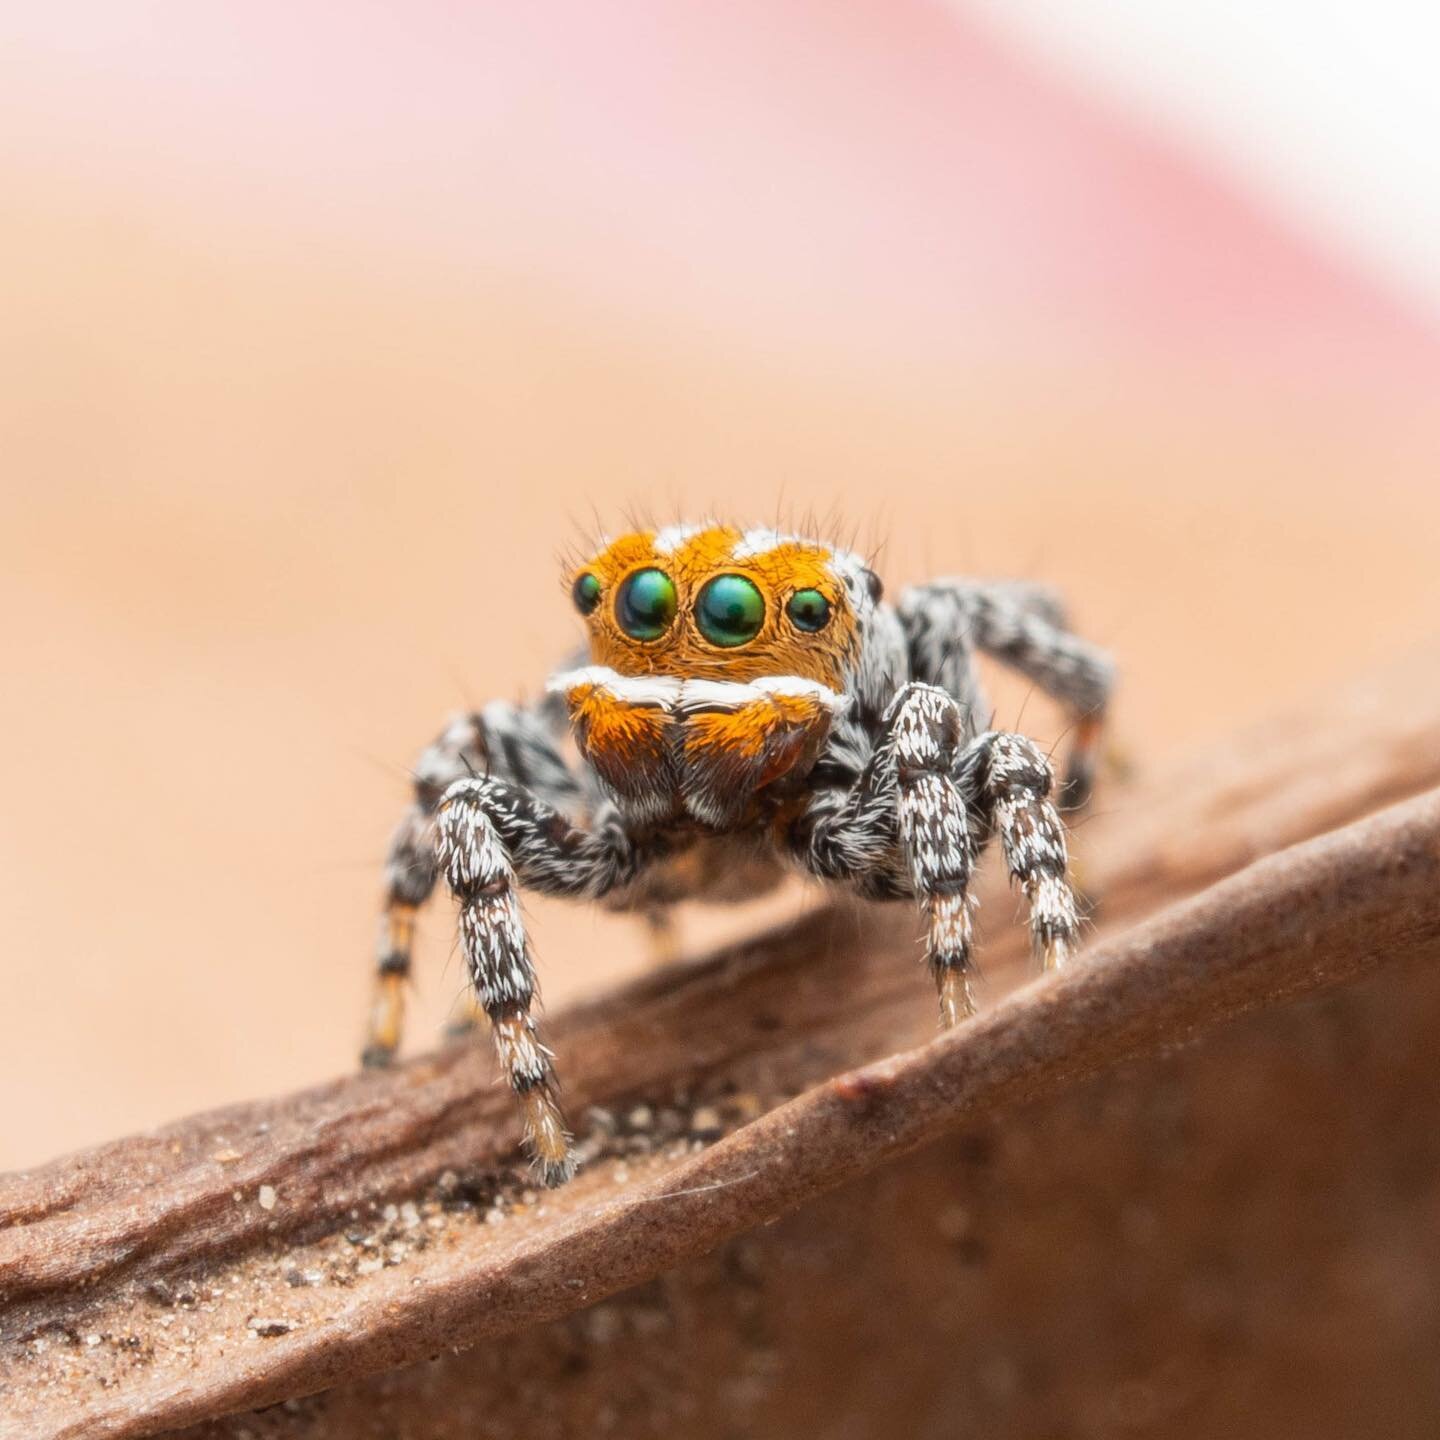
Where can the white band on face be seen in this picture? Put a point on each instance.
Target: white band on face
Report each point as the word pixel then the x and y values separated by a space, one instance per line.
pixel 731 695
pixel 660 692
pixel 669 692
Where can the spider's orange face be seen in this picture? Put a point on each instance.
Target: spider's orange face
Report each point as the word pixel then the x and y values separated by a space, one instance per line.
pixel 717 603
pixel 719 659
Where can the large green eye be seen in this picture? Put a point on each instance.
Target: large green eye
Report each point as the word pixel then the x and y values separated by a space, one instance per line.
pixel 586 594
pixel 646 604
pixel 808 610
pixel 730 610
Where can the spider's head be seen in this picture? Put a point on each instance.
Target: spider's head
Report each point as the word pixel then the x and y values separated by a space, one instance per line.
pixel 719 658
pixel 718 603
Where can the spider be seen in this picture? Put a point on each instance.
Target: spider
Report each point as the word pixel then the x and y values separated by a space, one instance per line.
pixel 749 704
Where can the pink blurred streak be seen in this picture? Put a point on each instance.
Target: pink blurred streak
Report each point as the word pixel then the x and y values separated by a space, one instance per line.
pixel 879 180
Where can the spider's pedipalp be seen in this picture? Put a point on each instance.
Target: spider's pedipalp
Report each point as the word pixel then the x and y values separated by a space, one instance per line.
pixel 737 739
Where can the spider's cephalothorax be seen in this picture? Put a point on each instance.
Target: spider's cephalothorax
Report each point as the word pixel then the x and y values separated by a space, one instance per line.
pixel 750 704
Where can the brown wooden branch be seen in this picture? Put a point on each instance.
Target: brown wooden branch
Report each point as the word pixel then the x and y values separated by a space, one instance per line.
pixel 274 1248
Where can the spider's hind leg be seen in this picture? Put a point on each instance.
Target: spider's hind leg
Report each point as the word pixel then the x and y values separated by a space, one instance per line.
pixel 1082 765
pixel 410 877
pixel 1023 626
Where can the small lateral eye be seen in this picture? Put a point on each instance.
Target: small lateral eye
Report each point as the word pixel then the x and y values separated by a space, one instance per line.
pixel 808 610
pixel 730 610
pixel 646 604
pixel 586 593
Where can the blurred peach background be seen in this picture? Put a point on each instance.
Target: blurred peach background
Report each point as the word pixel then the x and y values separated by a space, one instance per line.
pixel 325 328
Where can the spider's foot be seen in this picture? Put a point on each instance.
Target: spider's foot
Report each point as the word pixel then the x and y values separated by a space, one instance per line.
pixel 1093 757
pixel 554 1173
pixel 1055 952
pixel 957 996
pixel 1079 782
pixel 547 1137
pixel 949 942
pixel 1054 919
pixel 386 1018
pixel 1077 787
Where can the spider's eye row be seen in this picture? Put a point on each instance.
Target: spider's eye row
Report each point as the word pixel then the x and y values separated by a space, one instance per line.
pixel 586 593
pixel 730 610
pixel 808 610
pixel 646 604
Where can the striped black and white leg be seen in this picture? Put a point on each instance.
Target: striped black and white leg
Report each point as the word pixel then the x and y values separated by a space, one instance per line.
pixel 491 837
pixel 1011 782
pixel 901 826
pixel 1024 626
pixel 936 836
pixel 508 741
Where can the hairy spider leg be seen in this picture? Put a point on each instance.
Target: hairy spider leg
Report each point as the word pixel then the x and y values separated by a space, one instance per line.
pixel 512 742
pixel 491 837
pixel 1010 781
pixel 902 827
pixel 1023 626
pixel 917 814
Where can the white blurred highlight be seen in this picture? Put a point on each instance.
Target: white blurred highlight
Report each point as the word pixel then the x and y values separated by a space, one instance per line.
pixel 1328 110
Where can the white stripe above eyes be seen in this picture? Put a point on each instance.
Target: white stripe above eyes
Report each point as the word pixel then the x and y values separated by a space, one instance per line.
pixel 760 542
pixel 672 537
pixel 668 692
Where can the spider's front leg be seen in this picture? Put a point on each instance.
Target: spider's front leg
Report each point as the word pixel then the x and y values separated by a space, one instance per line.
pixel 1012 782
pixel 514 743
pixel 915 817
pixel 490 837
pixel 902 826
pixel 935 834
